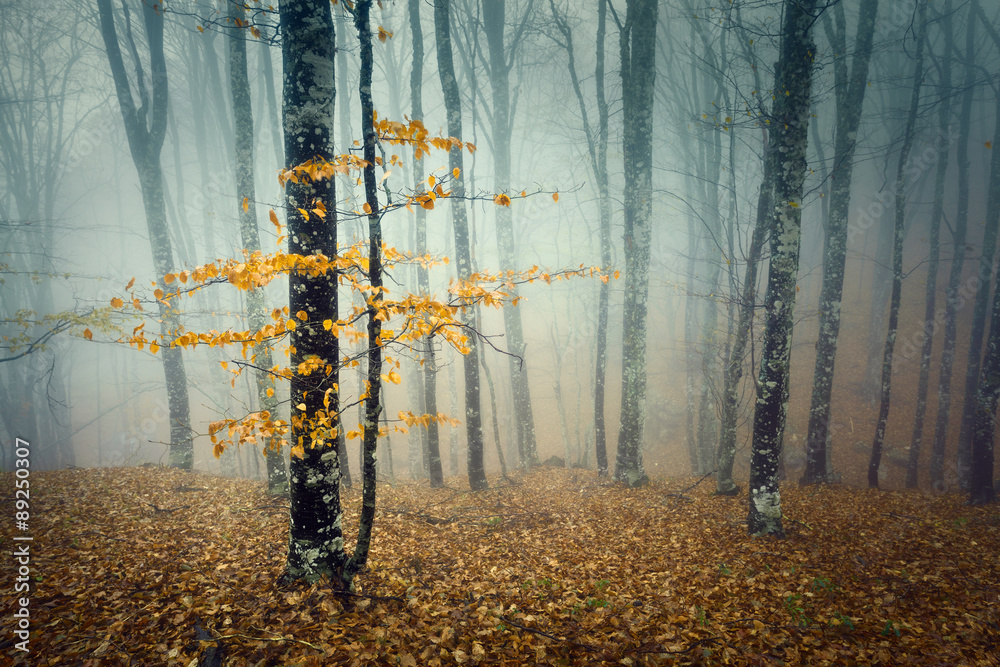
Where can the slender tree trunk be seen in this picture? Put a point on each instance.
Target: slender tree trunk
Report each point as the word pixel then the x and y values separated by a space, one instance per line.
pixel 423 278
pixel 315 540
pixel 638 48
pixel 793 84
pixel 494 12
pixel 373 385
pixel 979 317
pixel 933 260
pixel 145 144
pixel 453 105
pixel 955 299
pixel 277 473
pixel 897 251
pixel 850 100
pixel 744 329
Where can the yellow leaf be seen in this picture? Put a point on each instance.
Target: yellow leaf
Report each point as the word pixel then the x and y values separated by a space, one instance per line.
pixel 327 324
pixel 117 303
pixel 246 204
pixel 302 315
pixel 793 204
pixel 88 334
pixel 200 29
pixel 153 347
pixel 555 196
pixel 431 181
pixel 290 325
pixel 301 406
pixel 270 392
pixel 367 208
pixel 274 219
pixel 456 172
pixel 501 200
pixel 524 193
pixel 224 364
pixel 169 278
pixel 351 435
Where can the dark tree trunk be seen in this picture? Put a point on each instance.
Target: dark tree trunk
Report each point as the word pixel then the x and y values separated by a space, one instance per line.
pixel 955 300
pixel 277 473
pixel 793 84
pixel 933 260
pixel 850 92
pixel 315 540
pixel 453 105
pixel 145 143
pixel 638 48
pixel 897 252
pixel 434 466
pixel 373 388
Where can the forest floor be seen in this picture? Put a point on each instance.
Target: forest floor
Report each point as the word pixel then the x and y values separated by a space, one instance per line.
pixel 133 566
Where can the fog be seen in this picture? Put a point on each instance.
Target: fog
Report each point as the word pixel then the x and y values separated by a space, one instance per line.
pixel 74 228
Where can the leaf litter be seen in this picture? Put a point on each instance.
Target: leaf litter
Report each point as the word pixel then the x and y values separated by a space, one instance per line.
pixel 154 566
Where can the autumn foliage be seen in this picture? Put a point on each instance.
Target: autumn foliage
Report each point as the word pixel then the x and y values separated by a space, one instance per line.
pixel 556 568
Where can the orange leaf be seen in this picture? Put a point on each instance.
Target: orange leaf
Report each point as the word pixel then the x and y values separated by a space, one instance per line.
pixel 555 196
pixel 367 208
pixel 88 334
pixel 246 204
pixel 117 303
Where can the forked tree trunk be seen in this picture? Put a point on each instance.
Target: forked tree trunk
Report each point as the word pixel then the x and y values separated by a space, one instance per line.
pixel 850 92
pixel 145 143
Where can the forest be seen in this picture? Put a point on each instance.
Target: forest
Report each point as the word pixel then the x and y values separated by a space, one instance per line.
pixel 426 332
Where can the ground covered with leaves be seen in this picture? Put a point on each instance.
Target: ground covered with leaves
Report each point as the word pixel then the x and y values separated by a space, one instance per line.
pixel 150 566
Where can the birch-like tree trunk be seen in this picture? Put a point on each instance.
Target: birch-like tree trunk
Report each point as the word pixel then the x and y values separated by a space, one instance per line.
pixel 145 128
pixel 453 106
pixel 897 250
pixel 315 539
pixel 850 96
pixel 790 120
pixel 239 82
pixel 638 72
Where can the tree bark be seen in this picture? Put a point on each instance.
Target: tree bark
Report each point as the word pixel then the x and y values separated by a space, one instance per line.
pixel 638 48
pixel 315 540
pixel 790 123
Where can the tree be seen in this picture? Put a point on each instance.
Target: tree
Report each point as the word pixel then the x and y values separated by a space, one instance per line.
pixel 638 49
pixel 597 150
pixel 145 127
pixel 315 535
pixel 429 384
pixel 277 473
pixel 937 213
pixel 850 95
pixel 954 300
pixel 790 123
pixel 500 63
pixel 452 102
pixel 897 250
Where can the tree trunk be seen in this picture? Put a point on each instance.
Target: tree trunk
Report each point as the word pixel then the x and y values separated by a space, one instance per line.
pixel 955 299
pixel 277 473
pixel 453 105
pixel 638 48
pixel 850 100
pixel 145 144
pixel 793 83
pixel 937 213
pixel 423 278
pixel 897 251
pixel 315 540
pixel 494 12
